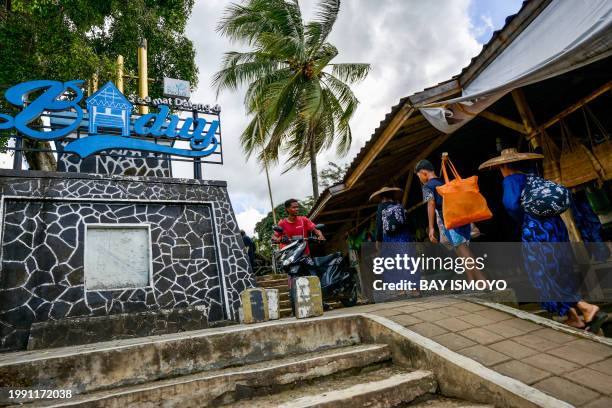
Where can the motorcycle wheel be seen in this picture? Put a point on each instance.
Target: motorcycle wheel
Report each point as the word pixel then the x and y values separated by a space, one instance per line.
pixel 351 300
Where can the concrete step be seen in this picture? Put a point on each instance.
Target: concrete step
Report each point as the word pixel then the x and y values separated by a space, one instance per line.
pixel 264 278
pixel 282 288
pixel 382 388
pixel 273 283
pixel 212 388
pixel 108 365
pixel 437 401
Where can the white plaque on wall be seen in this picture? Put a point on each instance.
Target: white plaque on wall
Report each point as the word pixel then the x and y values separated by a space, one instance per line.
pixel 117 256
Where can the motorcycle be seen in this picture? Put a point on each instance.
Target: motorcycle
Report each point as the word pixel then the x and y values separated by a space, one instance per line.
pixel 338 279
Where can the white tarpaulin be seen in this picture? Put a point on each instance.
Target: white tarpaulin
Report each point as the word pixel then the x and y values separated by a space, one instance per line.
pixel 564 36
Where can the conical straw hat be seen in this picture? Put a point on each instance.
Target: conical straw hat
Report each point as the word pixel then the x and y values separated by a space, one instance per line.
pixel 509 156
pixel 396 191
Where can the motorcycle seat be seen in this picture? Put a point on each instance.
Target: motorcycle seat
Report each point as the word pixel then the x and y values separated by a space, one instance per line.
pixel 324 260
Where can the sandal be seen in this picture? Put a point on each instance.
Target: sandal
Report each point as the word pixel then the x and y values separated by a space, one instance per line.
pixel 595 324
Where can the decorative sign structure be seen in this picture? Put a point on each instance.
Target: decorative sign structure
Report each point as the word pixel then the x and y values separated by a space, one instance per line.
pixel 176 87
pixel 110 123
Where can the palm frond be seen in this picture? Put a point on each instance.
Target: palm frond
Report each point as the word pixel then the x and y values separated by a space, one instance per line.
pixel 326 15
pixel 323 55
pixel 350 72
pixel 341 90
pixel 235 73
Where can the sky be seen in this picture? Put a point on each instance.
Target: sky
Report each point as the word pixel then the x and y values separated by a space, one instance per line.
pixel 410 45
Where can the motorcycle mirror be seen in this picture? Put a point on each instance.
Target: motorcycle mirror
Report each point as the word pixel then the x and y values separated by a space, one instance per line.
pixel 278 229
pixel 320 226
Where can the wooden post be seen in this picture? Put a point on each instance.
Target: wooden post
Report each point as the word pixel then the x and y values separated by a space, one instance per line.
pixel 529 122
pixel 531 126
pixel 509 123
pixel 407 187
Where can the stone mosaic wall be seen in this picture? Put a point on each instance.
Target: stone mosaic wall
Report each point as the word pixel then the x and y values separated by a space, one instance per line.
pixel 142 164
pixel 194 234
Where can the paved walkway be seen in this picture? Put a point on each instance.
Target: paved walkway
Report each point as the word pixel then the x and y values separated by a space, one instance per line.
pixel 568 367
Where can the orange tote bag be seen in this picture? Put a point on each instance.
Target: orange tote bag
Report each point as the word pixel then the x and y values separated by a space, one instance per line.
pixel 462 202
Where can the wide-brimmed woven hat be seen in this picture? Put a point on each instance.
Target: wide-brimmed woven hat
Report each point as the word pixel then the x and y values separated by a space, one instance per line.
pixel 509 156
pixel 395 190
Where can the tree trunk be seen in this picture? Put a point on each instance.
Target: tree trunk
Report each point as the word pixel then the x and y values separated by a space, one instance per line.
pixel 44 161
pixel 270 192
pixel 313 173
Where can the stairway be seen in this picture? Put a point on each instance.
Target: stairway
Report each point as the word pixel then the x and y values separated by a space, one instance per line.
pixel 280 282
pixel 265 366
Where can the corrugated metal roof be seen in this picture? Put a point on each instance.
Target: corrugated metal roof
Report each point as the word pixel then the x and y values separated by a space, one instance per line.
pixel 498 39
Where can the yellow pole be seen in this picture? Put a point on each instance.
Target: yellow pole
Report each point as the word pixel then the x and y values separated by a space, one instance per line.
pixel 143 79
pixel 119 80
pixel 94 83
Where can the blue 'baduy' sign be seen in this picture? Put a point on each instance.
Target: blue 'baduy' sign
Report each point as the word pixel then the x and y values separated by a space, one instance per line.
pixel 107 109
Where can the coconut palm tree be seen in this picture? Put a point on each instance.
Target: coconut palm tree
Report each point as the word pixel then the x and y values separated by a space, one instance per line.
pixel 254 138
pixel 305 99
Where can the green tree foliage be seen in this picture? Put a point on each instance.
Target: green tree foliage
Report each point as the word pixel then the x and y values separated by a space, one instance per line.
pixel 302 99
pixel 332 174
pixel 264 228
pixel 74 39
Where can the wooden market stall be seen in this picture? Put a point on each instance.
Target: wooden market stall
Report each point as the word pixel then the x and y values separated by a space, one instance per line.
pixel 528 117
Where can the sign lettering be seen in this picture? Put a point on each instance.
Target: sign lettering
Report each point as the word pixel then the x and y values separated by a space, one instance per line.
pixel 106 109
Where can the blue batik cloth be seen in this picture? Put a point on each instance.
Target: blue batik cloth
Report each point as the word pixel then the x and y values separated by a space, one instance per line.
pixel 548 263
pixel 590 228
pixel 395 244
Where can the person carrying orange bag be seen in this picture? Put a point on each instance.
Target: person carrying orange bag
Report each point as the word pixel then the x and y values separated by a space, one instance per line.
pixel 458 238
pixel 463 203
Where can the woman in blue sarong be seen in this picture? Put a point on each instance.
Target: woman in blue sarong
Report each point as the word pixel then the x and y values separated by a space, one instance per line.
pixel 548 263
pixel 393 235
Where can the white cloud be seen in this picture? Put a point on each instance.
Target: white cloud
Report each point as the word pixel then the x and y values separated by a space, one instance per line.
pixel 486 26
pixel 248 218
pixel 409 44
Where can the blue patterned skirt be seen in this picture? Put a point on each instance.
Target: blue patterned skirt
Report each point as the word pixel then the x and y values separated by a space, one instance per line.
pixel 398 244
pixel 549 262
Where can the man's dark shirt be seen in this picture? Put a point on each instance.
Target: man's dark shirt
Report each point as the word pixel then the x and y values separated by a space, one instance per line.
pixel 250 245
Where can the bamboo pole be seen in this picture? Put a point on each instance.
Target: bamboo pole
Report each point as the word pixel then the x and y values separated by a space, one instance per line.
pixel 531 126
pixel 143 82
pixel 407 187
pixel 437 142
pixel 575 106
pixel 509 123
pixel 120 68
pixel 529 121
pixel 347 209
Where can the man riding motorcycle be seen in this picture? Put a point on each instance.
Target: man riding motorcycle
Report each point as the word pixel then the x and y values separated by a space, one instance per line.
pixel 295 226
pixel 293 234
